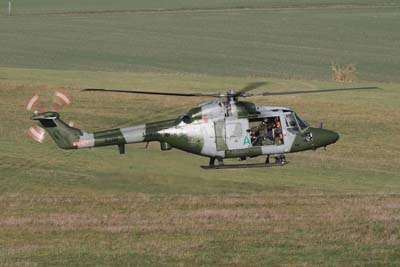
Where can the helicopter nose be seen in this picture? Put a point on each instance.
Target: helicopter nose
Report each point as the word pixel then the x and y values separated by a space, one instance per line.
pixel 333 137
pixel 324 137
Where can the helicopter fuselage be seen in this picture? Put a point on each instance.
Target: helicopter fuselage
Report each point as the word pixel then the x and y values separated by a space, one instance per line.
pixel 217 130
pixel 214 129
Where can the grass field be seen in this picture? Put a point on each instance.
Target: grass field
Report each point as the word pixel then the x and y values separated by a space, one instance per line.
pixel 23 7
pixel 283 43
pixel 339 207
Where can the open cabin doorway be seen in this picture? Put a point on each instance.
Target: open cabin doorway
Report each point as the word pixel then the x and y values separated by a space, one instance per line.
pixel 266 131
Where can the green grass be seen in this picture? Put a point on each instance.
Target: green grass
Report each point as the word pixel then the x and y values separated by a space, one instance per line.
pixel 96 207
pixel 50 6
pixel 292 43
pixel 338 207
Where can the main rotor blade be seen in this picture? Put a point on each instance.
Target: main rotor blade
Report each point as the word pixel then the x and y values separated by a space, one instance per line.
pixel 312 91
pixel 251 86
pixel 149 92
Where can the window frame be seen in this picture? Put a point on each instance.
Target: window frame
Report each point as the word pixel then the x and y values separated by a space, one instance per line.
pixel 297 116
pixel 288 126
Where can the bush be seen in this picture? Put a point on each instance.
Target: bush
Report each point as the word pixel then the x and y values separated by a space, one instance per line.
pixel 343 74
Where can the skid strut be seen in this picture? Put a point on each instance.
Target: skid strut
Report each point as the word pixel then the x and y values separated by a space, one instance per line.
pixel 279 161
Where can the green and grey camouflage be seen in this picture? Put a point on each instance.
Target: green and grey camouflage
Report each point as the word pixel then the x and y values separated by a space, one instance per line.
pixel 214 129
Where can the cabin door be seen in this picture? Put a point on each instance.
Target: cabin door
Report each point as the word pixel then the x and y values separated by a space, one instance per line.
pixel 237 136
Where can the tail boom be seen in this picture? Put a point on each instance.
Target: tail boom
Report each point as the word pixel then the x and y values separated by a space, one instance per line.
pixel 68 137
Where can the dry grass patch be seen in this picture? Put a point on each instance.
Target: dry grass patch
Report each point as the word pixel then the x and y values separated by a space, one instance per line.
pixel 343 73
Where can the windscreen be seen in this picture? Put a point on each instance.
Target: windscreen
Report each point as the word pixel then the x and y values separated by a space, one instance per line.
pixel 302 123
pixel 295 123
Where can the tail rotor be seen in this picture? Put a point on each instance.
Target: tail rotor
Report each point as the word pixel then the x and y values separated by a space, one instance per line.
pixel 35 105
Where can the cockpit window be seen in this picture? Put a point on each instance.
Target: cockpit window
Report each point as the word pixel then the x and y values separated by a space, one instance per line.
pixel 302 123
pixel 295 123
pixel 291 122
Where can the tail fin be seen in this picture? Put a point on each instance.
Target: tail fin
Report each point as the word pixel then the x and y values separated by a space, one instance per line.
pixel 65 136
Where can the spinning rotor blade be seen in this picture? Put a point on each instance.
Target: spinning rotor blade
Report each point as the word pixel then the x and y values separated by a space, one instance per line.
pixel 311 91
pixel 36 133
pixel 32 103
pixel 149 93
pixel 61 98
pixel 251 86
pixel 231 93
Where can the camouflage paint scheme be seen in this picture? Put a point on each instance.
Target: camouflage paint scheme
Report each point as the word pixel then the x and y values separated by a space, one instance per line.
pixel 214 129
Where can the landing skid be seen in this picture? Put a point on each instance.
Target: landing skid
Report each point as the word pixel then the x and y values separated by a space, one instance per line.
pixel 243 166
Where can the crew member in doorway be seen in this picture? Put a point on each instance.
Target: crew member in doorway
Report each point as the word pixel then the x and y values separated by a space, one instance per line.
pixel 277 132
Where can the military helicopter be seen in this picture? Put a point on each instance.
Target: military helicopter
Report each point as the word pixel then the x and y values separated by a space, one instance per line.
pixel 219 129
